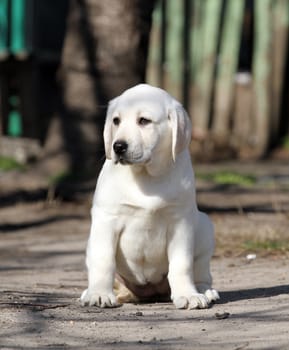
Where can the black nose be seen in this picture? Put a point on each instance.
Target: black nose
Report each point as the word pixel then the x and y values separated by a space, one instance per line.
pixel 120 147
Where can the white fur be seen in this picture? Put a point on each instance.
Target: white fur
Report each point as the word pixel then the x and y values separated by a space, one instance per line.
pixel 145 220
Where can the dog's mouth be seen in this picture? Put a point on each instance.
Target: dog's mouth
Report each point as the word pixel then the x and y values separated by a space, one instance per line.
pixel 123 161
pixel 130 161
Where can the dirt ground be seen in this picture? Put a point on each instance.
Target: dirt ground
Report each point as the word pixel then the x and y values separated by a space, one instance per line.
pixel 42 272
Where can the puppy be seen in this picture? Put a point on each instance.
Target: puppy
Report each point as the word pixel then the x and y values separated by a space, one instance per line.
pixel 146 228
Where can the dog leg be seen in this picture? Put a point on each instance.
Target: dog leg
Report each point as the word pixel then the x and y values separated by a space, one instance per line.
pixel 183 290
pixel 203 279
pixel 100 262
pixel 204 248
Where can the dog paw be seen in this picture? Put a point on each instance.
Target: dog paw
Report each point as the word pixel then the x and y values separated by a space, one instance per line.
pixel 212 295
pixel 101 300
pixel 195 301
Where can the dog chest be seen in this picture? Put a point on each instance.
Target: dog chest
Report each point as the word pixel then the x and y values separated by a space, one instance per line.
pixel 142 249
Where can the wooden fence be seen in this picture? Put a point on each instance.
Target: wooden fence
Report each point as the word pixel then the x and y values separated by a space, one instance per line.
pixel 225 60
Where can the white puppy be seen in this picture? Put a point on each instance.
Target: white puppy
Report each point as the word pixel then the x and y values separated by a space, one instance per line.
pixel 146 227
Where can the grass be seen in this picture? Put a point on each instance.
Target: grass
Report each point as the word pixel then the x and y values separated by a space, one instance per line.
pixel 240 246
pixel 68 176
pixel 8 164
pixel 285 142
pixel 229 178
pixel 269 246
pixel 60 177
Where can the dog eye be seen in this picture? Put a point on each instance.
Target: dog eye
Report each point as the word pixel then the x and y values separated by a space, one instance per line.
pixel 116 121
pixel 144 121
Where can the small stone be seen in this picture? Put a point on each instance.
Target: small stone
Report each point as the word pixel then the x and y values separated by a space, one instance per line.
pixel 222 315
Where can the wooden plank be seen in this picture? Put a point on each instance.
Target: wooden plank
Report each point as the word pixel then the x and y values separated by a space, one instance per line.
pixel 1 109
pixel 4 29
pixel 174 48
pixel 280 13
pixel 262 75
pixel 203 69
pixel 154 64
pixel 196 45
pixel 227 65
pixel 242 138
pixel 17 36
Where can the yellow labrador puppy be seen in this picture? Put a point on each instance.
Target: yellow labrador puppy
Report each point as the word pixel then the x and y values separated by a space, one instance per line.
pixel 146 227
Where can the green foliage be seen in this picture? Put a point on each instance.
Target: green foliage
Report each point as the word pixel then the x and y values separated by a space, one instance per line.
pixel 70 177
pixel 61 177
pixel 7 164
pixel 270 246
pixel 285 142
pixel 229 178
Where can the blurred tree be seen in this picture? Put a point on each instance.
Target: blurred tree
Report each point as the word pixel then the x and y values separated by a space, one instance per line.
pixel 105 52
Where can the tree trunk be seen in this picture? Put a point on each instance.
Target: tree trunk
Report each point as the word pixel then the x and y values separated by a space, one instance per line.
pixel 105 52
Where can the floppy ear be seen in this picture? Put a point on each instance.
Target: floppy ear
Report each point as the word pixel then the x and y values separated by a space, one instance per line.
pixel 107 131
pixel 181 129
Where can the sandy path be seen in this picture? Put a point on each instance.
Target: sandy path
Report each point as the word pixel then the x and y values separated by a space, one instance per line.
pixel 42 274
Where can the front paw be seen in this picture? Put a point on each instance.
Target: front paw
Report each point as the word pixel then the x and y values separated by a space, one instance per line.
pixel 194 301
pixel 212 295
pixel 98 299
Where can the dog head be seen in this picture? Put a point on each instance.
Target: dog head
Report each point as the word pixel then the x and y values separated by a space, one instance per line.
pixel 145 126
